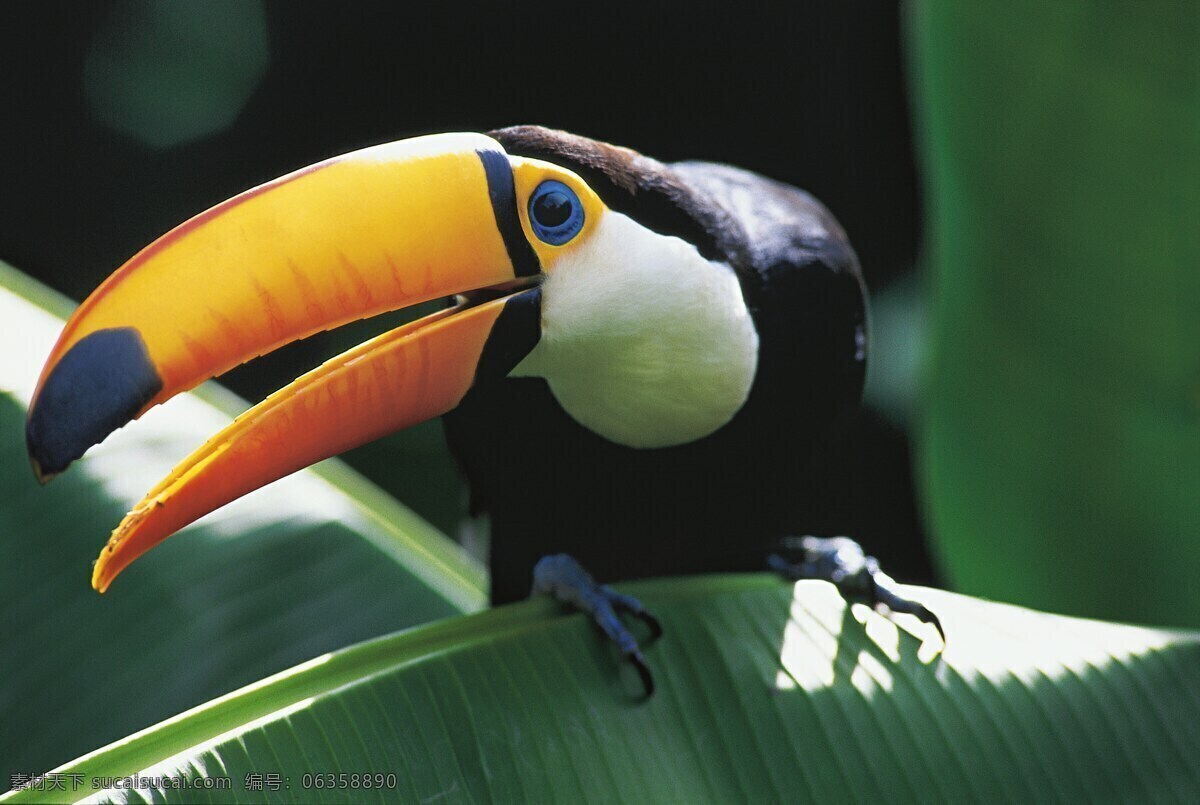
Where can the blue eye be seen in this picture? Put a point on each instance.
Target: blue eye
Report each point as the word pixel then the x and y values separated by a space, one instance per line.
pixel 555 212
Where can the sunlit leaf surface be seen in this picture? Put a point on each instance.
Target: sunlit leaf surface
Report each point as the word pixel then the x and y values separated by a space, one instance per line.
pixel 308 565
pixel 767 693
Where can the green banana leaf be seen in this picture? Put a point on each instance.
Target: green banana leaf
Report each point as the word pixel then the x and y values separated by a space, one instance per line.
pixel 1061 428
pixel 766 692
pixel 311 564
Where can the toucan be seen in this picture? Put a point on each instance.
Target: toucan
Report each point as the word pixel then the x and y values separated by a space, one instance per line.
pixel 634 365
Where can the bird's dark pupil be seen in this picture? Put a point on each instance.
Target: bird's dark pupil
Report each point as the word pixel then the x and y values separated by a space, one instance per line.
pixel 552 209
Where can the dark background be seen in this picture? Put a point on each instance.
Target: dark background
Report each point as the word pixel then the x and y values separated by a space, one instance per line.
pixel 122 119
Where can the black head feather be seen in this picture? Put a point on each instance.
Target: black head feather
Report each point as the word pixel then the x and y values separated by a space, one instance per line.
pixel 642 188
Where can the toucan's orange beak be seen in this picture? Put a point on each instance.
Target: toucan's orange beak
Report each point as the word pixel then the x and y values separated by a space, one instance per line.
pixel 373 231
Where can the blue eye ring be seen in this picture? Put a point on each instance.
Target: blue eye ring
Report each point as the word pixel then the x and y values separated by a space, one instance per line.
pixel 555 212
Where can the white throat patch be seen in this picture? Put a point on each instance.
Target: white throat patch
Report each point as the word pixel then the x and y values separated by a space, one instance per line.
pixel 643 340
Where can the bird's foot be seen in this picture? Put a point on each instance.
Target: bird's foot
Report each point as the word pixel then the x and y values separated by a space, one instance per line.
pixel 564 578
pixel 842 562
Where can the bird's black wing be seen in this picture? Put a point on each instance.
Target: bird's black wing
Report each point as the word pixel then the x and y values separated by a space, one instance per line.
pixel 804 286
pixel 782 226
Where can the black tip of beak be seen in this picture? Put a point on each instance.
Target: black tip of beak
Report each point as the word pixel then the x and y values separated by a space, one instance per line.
pixel 101 383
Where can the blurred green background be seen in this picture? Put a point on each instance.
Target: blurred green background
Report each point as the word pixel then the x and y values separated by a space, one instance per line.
pixel 1061 410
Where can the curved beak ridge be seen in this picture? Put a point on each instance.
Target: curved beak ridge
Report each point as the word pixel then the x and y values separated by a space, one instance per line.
pixel 358 235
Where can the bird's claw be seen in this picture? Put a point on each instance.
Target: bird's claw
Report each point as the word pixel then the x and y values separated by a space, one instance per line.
pixel 842 562
pixel 631 605
pixel 884 594
pixel 564 578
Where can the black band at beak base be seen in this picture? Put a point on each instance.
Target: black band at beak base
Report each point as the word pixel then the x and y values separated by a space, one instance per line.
pixel 515 333
pixel 503 194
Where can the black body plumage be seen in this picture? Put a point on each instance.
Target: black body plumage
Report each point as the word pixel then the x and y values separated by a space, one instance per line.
pixel 551 485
